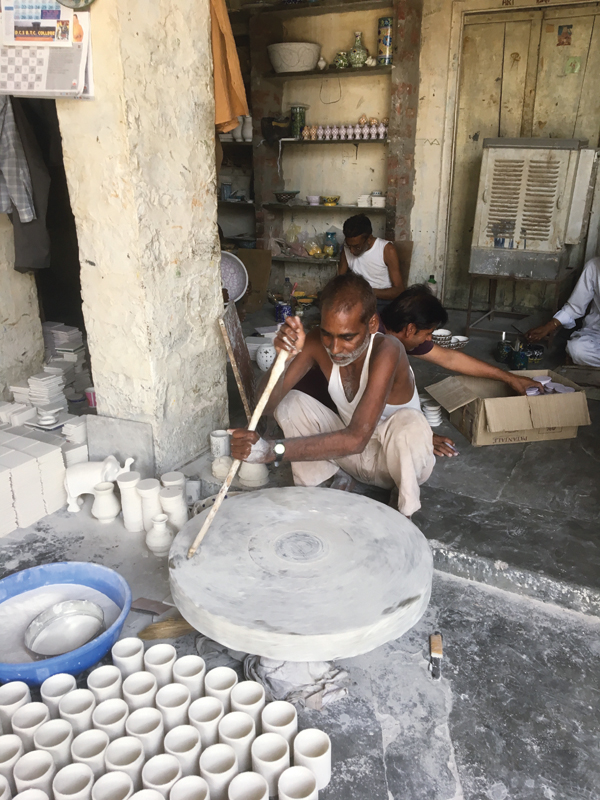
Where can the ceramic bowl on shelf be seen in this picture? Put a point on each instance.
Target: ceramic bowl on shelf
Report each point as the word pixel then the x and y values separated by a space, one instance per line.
pixel 294 56
pixel 378 202
pixel 234 277
pixel 313 199
pixel 285 197
pixel 330 200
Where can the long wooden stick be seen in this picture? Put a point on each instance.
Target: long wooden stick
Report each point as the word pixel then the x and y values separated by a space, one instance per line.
pixel 276 373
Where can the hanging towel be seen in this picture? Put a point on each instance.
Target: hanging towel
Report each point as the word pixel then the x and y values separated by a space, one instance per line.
pixel 230 93
pixel 16 191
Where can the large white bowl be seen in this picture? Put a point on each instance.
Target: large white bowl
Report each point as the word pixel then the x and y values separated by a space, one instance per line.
pixel 294 56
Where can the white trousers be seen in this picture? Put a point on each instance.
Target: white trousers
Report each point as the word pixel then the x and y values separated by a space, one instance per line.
pixel 399 453
pixel 584 348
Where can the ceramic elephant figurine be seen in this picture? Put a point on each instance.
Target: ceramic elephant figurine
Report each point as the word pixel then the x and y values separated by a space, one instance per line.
pixel 81 478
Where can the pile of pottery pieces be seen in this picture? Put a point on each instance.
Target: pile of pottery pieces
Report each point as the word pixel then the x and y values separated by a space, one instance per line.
pixel 548 386
pixel 433 413
pixel 155 726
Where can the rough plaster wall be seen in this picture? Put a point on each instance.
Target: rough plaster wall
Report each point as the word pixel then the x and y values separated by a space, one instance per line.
pixel 21 343
pixel 141 171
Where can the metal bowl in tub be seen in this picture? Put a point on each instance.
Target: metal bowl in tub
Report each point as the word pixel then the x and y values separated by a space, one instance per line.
pixel 294 56
pixel 25 594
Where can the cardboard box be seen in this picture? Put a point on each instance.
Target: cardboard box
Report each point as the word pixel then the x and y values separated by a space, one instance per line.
pixel 486 412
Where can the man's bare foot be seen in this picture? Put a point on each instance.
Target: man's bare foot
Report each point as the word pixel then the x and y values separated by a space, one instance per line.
pixel 343 481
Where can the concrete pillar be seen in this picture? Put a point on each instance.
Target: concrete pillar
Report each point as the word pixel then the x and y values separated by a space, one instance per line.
pixel 21 343
pixel 140 166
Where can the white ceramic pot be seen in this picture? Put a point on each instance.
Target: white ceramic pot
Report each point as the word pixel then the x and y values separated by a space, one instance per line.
pixel 280 717
pixel 113 786
pixel 173 701
pixel 173 479
pixel 13 695
pixel 220 444
pixel 265 356
pixel 131 502
pixel 218 683
pixel 31 794
pixel 174 506
pixel 247 129
pixel 149 491
pixel 11 750
pixel 160 536
pixel 183 742
pixel 81 478
pixel 105 683
pixel 190 788
pixel 27 719
pixel 159 660
pixel 126 755
pixel 77 708
pixel 249 697
pixel 146 724
pixel 89 748
pixel 110 717
pixel 205 714
pixel 298 783
pixel 55 736
pixel 35 770
pixel 237 133
pixel 312 749
pixel 218 767
pixel 73 782
pixel 128 655
pixel 270 758
pixel 294 56
pixel 53 689
pixel 106 505
pixel 248 786
pixel 253 475
pixel 161 773
pixel 220 467
pixel 190 671
pixel 139 690
pixel 5 792
pixel 238 731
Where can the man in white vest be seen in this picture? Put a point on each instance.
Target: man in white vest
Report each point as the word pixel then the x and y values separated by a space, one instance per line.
pixel 373 258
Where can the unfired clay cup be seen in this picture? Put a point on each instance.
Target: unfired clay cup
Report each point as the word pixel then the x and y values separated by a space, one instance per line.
pixel 27 719
pixel 77 708
pixel 312 749
pixel 173 701
pixel 270 758
pixel 55 736
pixel 89 748
pixel 249 697
pixel 238 731
pixel 13 695
pixel 159 660
pixel 248 786
pixel 73 782
pixel 183 742
pixel 280 717
pixel 110 717
pixel 205 715
pixel 192 787
pixel 128 655
pixel 190 671
pixel 298 783
pixel 35 770
pixel 147 794
pixel 105 683
pixel 219 683
pixel 53 689
pixel 139 690
pixel 146 724
pixel 5 792
pixel 113 786
pixel 126 755
pixel 161 773
pixel 31 794
pixel 11 750
pixel 218 767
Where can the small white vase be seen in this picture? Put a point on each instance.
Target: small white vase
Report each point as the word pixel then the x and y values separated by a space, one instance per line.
pixel 161 773
pixel 53 689
pixel 35 770
pixel 312 749
pixel 265 356
pixel 253 475
pixel 105 683
pixel 149 491
pixel 11 750
pixel 248 786
pixel 73 782
pixel 147 725
pixel 298 783
pixel 218 767
pixel 55 736
pixel 77 708
pixel 190 788
pixel 247 129
pixel 218 683
pixel 110 717
pixel 13 695
pixel 159 660
pixel 160 537
pixel 173 702
pixel 190 671
pixel 270 758
pixel 131 502
pixel 27 719
pixel 174 506
pixel 128 655
pixel 205 714
pixel 183 742
pixel 139 690
pixel 106 506
pixel 237 132
pixel 280 717
pixel 126 755
pixel 113 786
pixel 249 697
pixel 89 748
pixel 238 731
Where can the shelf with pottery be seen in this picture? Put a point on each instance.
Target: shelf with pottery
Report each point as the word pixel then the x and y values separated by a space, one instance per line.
pixel 322 207
pixel 315 9
pixel 233 141
pixel 348 72
pixel 333 141
pixel 238 203
pixel 327 262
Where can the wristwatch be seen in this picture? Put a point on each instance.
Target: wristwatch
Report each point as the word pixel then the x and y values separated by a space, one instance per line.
pixel 279 450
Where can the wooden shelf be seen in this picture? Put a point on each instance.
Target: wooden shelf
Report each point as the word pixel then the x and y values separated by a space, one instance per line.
pixel 330 262
pixel 321 7
pixel 310 142
pixel 237 144
pixel 237 203
pixel 316 74
pixel 288 207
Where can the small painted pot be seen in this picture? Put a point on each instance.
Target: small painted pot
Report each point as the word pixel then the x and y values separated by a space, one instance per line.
pixel 341 60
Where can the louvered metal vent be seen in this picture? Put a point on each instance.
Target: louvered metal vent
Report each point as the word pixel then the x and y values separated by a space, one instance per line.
pixel 540 199
pixel 504 198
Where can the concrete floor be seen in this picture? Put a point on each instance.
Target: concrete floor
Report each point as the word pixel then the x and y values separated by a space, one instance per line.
pixel 516 550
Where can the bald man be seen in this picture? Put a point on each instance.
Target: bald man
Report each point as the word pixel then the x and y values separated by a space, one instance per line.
pixel 379 435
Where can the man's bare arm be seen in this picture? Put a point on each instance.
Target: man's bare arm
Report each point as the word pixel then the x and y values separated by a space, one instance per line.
pixel 290 337
pixel 343 263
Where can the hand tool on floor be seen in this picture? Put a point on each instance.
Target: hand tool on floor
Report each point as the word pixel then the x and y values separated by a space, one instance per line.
pixel 436 652
pixel 276 373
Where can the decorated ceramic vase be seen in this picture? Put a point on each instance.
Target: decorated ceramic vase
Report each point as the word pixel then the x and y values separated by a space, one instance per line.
pixel 363 119
pixel 341 60
pixel 265 356
pixel 381 131
pixel 365 132
pixel 320 132
pixel 350 132
pixel 306 133
pixel 384 41
pixel 373 131
pixel 358 131
pixel 342 131
pixel 313 133
pixel 359 53
pixel 328 132
pixel 335 132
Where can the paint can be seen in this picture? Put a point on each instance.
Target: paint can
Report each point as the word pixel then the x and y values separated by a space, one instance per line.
pixel 384 41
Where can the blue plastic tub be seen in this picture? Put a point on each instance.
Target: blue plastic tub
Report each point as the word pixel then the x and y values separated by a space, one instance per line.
pixel 102 579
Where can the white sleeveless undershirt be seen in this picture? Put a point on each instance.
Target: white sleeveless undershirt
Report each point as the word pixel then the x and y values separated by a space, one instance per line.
pixel 371 265
pixel 346 408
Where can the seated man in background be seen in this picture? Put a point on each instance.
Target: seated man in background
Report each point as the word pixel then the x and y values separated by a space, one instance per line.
pixel 379 435
pixel 584 345
pixel 373 258
pixel 412 318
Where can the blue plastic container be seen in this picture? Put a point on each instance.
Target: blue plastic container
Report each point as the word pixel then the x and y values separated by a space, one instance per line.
pixel 102 579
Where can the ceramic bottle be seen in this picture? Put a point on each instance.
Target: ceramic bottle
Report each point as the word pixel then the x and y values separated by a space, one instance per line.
pixel 106 505
pixel 237 132
pixel 160 537
pixel 359 53
pixel 247 129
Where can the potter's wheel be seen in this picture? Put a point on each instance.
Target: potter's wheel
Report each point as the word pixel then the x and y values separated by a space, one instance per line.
pixel 302 574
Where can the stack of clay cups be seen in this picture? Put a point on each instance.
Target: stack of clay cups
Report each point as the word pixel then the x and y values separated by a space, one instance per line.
pixel 155 727
pixel 442 336
pixel 433 413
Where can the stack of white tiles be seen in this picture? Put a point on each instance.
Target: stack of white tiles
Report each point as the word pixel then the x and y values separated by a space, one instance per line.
pixel 26 485
pixel 51 468
pixel 8 518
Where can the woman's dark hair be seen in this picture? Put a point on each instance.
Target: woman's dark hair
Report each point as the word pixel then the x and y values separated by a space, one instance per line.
pixel 358 225
pixel 344 292
pixel 416 305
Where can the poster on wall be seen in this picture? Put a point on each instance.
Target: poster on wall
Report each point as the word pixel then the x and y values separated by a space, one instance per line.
pixel 35 23
pixel 48 71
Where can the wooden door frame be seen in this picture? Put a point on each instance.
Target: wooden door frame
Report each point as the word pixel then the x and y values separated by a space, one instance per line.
pixel 460 10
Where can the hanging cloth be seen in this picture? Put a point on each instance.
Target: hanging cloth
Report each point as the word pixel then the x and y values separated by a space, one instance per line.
pixel 230 93
pixel 16 191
